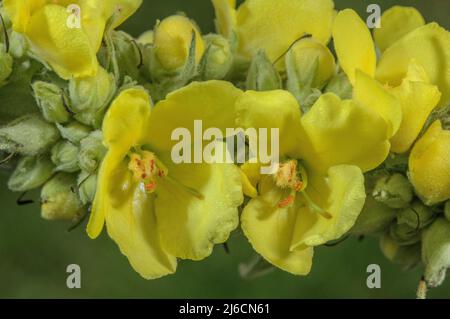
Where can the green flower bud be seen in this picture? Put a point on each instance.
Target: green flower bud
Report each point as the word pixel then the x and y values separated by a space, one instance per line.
pixel 436 252
pixel 30 173
pixel 417 216
pixel 91 96
pixel 447 210
pixel 127 55
pixel 374 218
pixel 29 135
pixel 395 191
pixel 218 58
pixel 65 157
pixel 18 45
pixel 60 200
pixel 6 64
pixel 87 186
pixel 341 86
pixel 406 256
pixel 262 75
pixel 92 152
pixel 51 101
pixel 74 131
pixel 404 235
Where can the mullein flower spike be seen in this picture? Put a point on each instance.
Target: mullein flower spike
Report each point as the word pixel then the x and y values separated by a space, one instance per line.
pixel 363 143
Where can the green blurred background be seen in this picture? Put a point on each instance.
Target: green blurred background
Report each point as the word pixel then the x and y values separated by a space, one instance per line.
pixel 34 254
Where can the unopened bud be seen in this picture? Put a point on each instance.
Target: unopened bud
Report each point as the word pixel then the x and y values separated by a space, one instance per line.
pixel 262 75
pixel 127 55
pixel 60 200
pixel 18 45
pixel 65 157
pixel 375 217
pixel 90 97
pixel 395 191
pixel 74 132
pixel 404 235
pixel 51 101
pixel 29 135
pixel 146 38
pixel 417 216
pixel 436 252
pixel 6 64
pixel 218 58
pixel 30 173
pixel 87 185
pixel 406 256
pixel 172 42
pixel 92 152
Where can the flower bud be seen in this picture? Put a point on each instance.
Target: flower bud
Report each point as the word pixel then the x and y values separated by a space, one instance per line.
pixel 429 165
pixel 394 190
pixel 92 152
pixel 87 186
pixel 51 101
pixel 146 38
pixel 30 173
pixel 447 210
pixel 74 132
pixel 262 75
pixel 6 64
pixel 28 135
pixel 309 64
pixel 60 200
pixel 417 216
pixel 341 86
pixel 436 252
pixel 407 256
pixel 18 45
pixel 65 157
pixel 218 58
pixel 375 217
pixel 90 97
pixel 404 235
pixel 127 55
pixel 172 42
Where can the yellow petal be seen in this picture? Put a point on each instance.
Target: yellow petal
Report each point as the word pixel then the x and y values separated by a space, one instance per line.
pixel 354 45
pixel 225 17
pixel 397 22
pixel 132 225
pixel 251 176
pixel 67 50
pixel 19 12
pixel 270 231
pixel 122 9
pixel 418 100
pixel 429 165
pixel 373 95
pixel 126 120
pixel 213 102
pixel 429 46
pixel 272 110
pixel 189 226
pixel 344 132
pixel 342 194
pixel 274 26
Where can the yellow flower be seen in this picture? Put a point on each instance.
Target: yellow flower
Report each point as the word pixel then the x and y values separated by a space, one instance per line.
pixel 155 210
pixel 69 47
pixel 317 192
pixel 414 88
pixel 172 41
pixel 274 26
pixel 429 165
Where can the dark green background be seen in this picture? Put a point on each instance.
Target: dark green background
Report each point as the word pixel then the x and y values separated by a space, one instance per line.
pixel 34 254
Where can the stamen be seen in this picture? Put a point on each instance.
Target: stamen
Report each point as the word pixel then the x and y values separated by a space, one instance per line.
pixel 314 207
pixel 286 202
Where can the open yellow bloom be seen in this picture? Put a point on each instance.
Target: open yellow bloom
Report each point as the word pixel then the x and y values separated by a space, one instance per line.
pixel 154 209
pixel 429 165
pixel 67 40
pixel 317 192
pixel 273 26
pixel 415 90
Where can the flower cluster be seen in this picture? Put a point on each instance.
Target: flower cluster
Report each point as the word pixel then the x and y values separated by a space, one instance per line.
pixel 363 121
